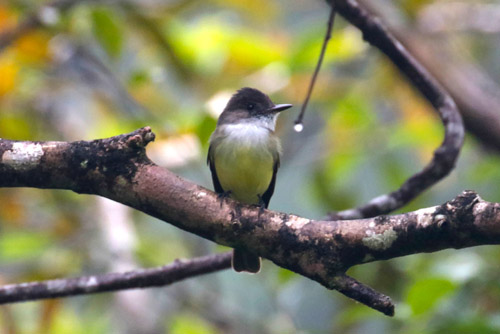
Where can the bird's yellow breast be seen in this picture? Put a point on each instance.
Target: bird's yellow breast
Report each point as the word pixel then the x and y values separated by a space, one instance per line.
pixel 244 162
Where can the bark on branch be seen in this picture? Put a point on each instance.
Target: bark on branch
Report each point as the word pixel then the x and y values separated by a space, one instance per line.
pixel 119 169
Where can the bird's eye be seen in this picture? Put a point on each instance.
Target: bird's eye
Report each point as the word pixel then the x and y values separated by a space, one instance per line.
pixel 250 106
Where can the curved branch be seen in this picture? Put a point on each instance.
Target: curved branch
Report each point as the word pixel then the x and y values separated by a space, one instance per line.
pixel 153 277
pixel 119 169
pixel 445 156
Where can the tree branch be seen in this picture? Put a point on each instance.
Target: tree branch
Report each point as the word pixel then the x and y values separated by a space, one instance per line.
pixel 154 277
pixel 119 169
pixel 445 156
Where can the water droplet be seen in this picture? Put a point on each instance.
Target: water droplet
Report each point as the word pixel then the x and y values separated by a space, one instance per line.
pixel 298 127
pixel 49 15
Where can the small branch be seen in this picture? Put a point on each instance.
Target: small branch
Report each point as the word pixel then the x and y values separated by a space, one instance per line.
pixel 364 294
pixel 445 156
pixel 33 21
pixel 154 277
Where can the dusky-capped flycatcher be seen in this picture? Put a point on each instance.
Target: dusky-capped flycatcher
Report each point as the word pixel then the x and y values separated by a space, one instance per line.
pixel 244 156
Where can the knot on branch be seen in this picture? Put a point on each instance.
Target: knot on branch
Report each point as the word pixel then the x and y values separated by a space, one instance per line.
pixel 132 142
pixel 455 218
pixel 108 160
pixel 465 201
pixel 140 138
pixel 460 209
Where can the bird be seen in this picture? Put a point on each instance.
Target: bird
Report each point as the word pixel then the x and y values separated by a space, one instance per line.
pixel 244 157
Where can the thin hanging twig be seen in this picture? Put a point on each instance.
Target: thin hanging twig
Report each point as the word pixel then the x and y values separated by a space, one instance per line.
pixel 328 35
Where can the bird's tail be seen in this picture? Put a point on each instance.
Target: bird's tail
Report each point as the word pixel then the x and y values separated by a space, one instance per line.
pixel 245 261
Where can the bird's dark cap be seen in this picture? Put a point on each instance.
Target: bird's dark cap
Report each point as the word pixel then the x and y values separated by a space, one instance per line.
pixel 251 94
pixel 245 95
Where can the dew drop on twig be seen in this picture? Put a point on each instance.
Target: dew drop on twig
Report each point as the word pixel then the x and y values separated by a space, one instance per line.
pixel 298 127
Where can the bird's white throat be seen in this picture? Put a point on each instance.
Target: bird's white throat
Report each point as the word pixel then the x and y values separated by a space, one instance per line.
pixel 246 133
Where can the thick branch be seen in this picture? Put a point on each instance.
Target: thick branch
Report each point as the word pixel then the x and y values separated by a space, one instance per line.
pixel 445 156
pixel 154 277
pixel 118 168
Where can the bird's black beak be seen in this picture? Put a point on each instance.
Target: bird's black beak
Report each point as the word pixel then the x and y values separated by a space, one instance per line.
pixel 279 107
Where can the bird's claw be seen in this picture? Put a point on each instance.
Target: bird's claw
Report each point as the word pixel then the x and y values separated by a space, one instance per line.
pixel 261 205
pixel 222 196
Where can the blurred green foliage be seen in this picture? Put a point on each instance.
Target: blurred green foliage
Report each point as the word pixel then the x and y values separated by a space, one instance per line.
pixel 108 31
pixel 109 68
pixel 425 294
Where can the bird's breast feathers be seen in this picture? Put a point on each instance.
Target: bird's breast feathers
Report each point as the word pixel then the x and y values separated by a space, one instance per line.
pixel 244 156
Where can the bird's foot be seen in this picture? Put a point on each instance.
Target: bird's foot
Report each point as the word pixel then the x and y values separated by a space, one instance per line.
pixel 261 205
pixel 222 196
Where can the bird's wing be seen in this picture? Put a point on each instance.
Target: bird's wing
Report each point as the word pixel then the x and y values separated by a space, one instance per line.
pixel 266 197
pixel 217 187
